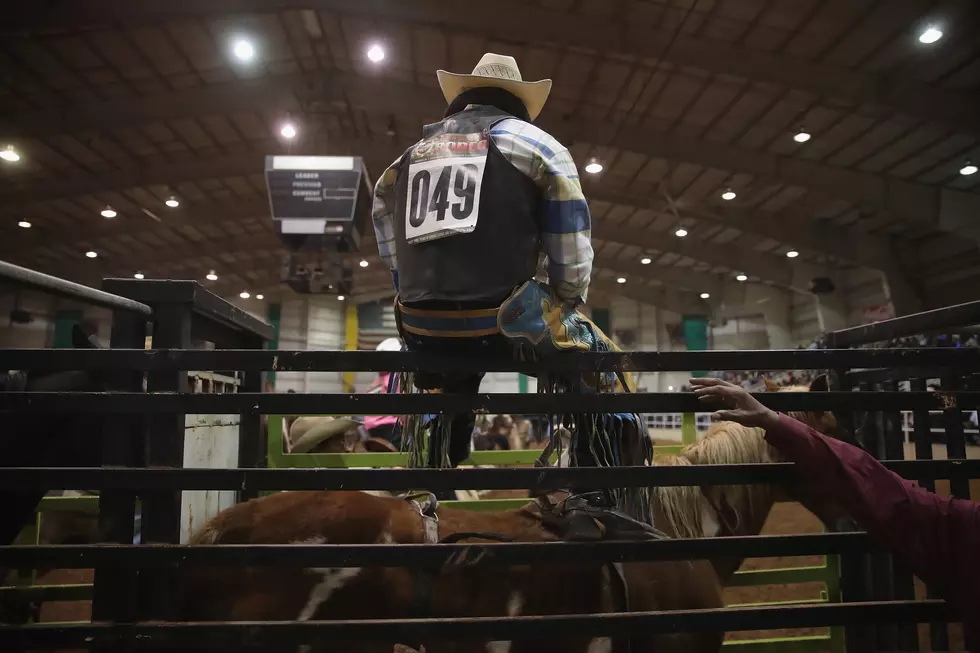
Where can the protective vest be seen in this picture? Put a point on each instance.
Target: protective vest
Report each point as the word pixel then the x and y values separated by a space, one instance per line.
pixel 465 218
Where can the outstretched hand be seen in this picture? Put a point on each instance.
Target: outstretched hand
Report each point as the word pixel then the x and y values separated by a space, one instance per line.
pixel 736 402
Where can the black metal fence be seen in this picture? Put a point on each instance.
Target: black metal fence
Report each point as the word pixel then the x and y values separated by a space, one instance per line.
pixel 875 592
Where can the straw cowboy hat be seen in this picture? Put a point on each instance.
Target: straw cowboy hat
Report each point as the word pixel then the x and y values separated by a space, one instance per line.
pixel 307 432
pixel 500 71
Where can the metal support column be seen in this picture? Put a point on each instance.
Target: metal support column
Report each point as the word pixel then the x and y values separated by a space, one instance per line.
pixel 164 448
pixel 115 592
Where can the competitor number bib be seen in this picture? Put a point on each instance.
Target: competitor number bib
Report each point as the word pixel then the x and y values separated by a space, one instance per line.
pixel 444 180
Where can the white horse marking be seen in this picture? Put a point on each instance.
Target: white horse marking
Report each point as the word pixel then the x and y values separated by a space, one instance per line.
pixel 333 579
pixel 710 525
pixel 515 603
pixel 600 645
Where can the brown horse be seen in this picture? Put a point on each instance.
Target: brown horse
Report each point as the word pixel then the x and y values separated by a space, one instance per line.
pixel 486 589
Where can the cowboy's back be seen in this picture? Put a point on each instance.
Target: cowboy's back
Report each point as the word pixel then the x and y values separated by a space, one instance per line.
pixel 528 201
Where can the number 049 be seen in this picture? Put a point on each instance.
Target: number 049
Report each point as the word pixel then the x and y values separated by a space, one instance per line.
pixel 463 178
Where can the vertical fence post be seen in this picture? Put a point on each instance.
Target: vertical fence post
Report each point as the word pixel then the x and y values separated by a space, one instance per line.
pixel 251 453
pixel 955 440
pixel 165 448
pixel 115 587
pixel 853 579
pixel 922 432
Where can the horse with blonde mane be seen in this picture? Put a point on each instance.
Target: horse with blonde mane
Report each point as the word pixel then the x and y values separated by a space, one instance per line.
pixel 486 589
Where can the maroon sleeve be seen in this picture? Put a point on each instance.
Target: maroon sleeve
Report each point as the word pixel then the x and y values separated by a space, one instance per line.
pixel 937 537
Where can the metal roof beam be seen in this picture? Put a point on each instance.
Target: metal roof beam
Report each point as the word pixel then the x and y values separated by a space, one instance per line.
pixel 941 208
pixel 515 20
pixel 765 266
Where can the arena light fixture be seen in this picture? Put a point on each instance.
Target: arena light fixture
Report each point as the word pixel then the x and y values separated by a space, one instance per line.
pixel 705 295
pixel 172 202
pixel 593 167
pixel 728 195
pixel 376 53
pixel 211 276
pixel 741 277
pixel 802 136
pixel 340 298
pixel 260 296
pixel 792 253
pixel 91 254
pixel 646 260
pixel 288 130
pixel 9 154
pixel 968 169
pixel 363 263
pixel 138 275
pixel 621 280
pixel 109 212
pixel 930 34
pixel 24 224
pixel 244 294
pixel 243 49
pixel 680 233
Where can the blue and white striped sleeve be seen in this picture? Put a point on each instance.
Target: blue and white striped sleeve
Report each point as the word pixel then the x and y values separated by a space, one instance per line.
pixel 564 219
pixel 383 216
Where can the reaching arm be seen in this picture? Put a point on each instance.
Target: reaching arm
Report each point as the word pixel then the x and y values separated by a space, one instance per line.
pixel 563 218
pixel 937 537
pixel 383 215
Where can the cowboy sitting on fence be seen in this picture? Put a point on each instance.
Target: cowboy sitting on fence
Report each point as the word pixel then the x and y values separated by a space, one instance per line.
pixel 462 218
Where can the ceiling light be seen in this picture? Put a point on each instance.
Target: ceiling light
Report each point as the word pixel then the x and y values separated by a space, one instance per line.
pixel 705 295
pixel 968 169
pixel 109 212
pixel 340 298
pixel 792 253
pixel 728 195
pixel 9 154
pixel 243 49
pixel 211 276
pixel 670 388
pixel 646 260
pixel 741 277
pixel 260 296
pixel 288 130
pixel 801 136
pixel 376 53
pixel 24 224
pixel 138 275
pixel 680 233
pixel 621 280
pixel 91 254
pixel 930 34
pixel 172 202
pixel 363 263
pixel 593 167
pixel 244 294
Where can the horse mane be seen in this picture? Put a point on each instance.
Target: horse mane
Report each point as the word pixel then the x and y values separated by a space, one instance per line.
pixel 725 443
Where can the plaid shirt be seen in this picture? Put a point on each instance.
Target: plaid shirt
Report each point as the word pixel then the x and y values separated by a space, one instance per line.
pixel 563 219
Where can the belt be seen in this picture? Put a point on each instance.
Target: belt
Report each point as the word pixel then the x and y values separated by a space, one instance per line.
pixel 449 323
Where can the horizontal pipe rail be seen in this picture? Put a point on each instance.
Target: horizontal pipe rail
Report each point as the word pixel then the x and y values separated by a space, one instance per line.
pixel 63 478
pixel 374 361
pixel 84 556
pixel 418 404
pixel 293 633
pixel 948 317
pixel 35 280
